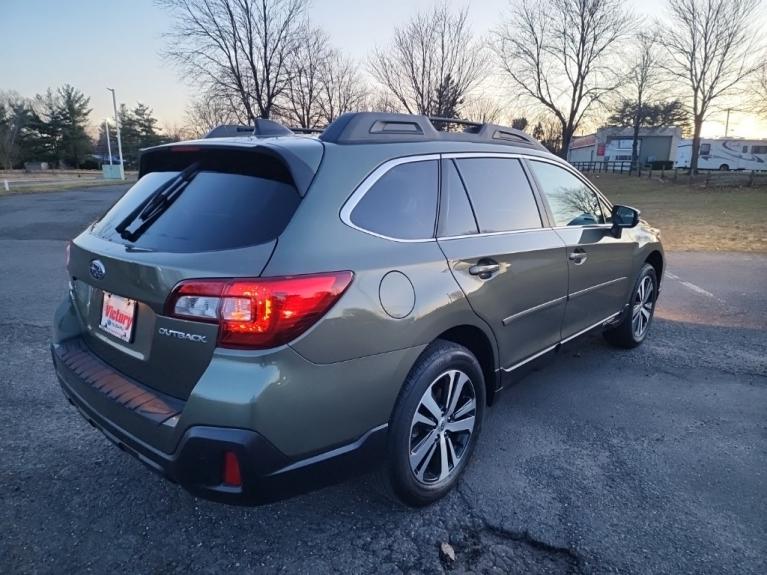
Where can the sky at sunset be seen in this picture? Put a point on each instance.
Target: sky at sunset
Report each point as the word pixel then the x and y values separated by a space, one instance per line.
pixel 117 43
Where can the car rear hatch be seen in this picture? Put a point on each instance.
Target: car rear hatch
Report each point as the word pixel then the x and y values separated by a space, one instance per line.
pixel 223 223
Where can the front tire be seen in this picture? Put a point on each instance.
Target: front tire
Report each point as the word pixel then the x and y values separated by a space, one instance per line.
pixel 435 424
pixel 637 318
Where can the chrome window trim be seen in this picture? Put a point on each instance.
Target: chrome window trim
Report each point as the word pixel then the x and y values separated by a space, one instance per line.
pixel 382 169
pixel 369 182
pixel 486 234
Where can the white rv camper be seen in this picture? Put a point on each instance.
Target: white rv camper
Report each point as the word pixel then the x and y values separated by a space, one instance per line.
pixel 724 154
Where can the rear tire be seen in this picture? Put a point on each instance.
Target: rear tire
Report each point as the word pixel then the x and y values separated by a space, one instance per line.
pixel 724 168
pixel 435 424
pixel 637 318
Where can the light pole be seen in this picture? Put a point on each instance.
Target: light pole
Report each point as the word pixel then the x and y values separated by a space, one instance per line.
pixel 109 145
pixel 119 140
pixel 727 124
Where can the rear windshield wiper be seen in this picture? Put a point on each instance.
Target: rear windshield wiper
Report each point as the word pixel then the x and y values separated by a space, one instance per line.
pixel 156 203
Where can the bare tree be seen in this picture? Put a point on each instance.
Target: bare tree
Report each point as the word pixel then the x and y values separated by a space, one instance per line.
pixel 761 91
pixel 239 49
pixel 548 131
pixel 711 47
pixel 483 109
pixel 343 90
pixel 558 55
pixel 308 62
pixel 15 116
pixel 643 78
pixel 433 49
pixel 208 111
pixel 382 101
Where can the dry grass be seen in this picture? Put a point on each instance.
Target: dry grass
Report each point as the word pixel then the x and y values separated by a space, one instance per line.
pixel 20 181
pixel 65 185
pixel 695 219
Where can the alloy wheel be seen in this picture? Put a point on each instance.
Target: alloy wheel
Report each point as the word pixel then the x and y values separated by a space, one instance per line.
pixel 644 301
pixel 442 426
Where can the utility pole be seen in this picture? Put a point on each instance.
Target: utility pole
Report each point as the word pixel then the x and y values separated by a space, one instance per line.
pixel 727 123
pixel 109 146
pixel 119 140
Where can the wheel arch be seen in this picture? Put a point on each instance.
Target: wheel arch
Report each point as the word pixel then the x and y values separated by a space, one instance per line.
pixel 655 259
pixel 479 343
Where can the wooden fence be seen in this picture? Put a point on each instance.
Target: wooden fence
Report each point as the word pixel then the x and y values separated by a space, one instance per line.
pixel 707 178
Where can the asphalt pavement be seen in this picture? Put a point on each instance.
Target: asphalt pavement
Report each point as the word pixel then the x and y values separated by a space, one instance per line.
pixel 602 461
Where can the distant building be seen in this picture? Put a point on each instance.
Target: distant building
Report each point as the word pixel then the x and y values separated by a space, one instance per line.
pixel 613 144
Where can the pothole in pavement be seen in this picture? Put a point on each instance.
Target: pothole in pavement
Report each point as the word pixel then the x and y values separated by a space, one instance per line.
pixel 488 550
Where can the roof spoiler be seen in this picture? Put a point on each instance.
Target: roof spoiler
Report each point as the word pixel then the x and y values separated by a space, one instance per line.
pixel 262 127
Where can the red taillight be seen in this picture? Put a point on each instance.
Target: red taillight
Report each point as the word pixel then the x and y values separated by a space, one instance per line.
pixel 262 312
pixel 232 475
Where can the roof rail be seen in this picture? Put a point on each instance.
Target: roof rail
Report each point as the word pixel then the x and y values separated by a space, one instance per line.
pixel 262 127
pixel 299 130
pixel 379 127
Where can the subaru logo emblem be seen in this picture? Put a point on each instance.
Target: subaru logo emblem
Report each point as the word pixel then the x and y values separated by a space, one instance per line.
pixel 97 270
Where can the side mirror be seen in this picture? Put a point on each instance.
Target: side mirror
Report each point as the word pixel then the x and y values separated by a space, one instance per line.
pixel 623 217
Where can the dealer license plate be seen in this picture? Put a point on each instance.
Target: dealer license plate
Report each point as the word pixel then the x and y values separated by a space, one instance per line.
pixel 117 316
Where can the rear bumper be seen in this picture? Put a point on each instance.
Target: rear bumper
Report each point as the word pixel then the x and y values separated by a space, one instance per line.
pixel 197 461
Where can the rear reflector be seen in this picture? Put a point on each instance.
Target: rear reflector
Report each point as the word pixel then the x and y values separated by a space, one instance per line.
pixel 232 476
pixel 258 313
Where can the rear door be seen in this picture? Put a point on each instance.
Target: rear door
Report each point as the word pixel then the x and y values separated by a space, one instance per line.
pixel 224 224
pixel 599 264
pixel 512 269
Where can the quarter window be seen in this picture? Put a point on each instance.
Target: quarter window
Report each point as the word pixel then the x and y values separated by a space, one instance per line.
pixel 500 194
pixel 572 202
pixel 402 203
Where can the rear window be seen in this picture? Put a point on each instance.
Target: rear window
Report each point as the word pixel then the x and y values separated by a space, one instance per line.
pixel 402 203
pixel 238 199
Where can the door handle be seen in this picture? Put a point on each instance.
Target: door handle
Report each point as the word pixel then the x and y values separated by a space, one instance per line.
pixel 578 256
pixel 484 269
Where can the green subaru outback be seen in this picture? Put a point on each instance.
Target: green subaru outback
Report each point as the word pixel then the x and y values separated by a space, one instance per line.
pixel 265 312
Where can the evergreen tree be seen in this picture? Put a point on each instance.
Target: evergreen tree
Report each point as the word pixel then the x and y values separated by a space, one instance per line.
pixel 519 123
pixel 74 111
pixel 651 115
pixel 58 126
pixel 139 130
pixel 447 100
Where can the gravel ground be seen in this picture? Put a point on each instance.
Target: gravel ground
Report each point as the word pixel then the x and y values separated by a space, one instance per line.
pixel 649 461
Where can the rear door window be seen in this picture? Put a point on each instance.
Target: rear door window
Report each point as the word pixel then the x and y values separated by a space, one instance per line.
pixel 500 194
pixel 456 217
pixel 571 201
pixel 402 203
pixel 237 199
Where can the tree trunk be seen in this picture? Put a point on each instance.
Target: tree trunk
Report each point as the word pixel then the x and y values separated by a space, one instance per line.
pixel 567 136
pixel 698 124
pixel 635 142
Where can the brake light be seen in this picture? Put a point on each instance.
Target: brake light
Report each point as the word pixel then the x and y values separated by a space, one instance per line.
pixel 262 312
